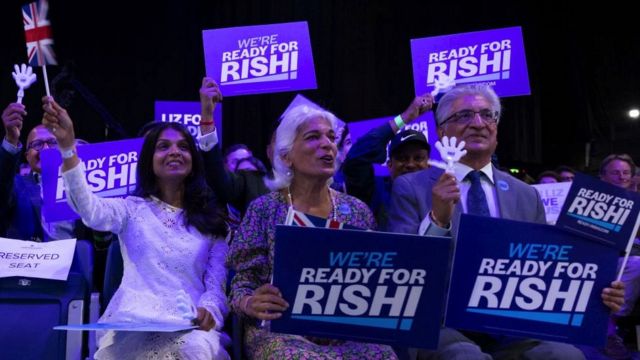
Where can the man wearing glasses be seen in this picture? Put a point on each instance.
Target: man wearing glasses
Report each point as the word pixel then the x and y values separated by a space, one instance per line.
pixel 21 196
pixel 429 202
pixel 618 170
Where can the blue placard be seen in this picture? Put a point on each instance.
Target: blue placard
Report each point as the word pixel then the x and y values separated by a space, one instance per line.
pixel 361 285
pixel 529 280
pixel 601 211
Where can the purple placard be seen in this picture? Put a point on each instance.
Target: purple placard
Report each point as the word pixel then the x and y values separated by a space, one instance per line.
pixel 110 172
pixel 495 57
pixel 425 123
pixel 186 113
pixel 260 59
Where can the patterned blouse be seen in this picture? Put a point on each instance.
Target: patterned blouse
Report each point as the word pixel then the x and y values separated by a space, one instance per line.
pixel 251 255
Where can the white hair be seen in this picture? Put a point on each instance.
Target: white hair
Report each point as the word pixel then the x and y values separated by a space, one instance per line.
pixel 445 105
pixel 286 134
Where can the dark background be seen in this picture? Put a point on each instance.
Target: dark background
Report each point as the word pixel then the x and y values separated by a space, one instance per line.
pixel 583 66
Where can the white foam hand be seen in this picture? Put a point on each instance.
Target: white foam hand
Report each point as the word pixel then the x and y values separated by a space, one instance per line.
pixel 442 83
pixel 185 306
pixel 24 77
pixel 450 151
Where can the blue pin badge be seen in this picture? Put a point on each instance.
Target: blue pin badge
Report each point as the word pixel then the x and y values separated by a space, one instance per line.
pixel 503 185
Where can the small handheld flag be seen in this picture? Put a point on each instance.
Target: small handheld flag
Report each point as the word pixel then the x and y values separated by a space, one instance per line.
pixel 37 30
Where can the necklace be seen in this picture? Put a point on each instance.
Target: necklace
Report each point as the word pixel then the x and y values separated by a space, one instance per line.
pixel 333 211
pixel 168 215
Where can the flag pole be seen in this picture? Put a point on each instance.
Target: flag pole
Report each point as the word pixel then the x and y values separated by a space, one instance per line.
pixel 46 79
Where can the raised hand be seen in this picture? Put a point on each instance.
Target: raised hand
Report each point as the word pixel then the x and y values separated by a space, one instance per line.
pixel 418 106
pixel 450 151
pixel 444 195
pixel 210 95
pixel 12 118
pixel 57 120
pixel 23 77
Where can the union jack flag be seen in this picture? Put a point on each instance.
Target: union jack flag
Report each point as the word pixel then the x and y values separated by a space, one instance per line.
pixel 37 30
pixel 306 220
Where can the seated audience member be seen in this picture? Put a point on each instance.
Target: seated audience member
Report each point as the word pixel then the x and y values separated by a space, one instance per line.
pixel 235 153
pixel 618 169
pixel 171 239
pixel 566 173
pixel 430 201
pixel 548 177
pixel 251 164
pixel 304 163
pixel 408 152
pixel 21 195
pixel 635 181
pixel 236 189
pixel 343 142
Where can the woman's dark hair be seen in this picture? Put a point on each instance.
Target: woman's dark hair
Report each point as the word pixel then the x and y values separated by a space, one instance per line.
pixel 260 168
pixel 200 210
pixel 343 136
pixel 233 148
pixel 548 173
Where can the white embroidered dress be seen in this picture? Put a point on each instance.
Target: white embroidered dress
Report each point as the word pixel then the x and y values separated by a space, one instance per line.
pixel 161 256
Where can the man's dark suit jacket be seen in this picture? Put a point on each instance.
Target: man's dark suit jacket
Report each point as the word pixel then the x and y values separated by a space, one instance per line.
pixel 21 201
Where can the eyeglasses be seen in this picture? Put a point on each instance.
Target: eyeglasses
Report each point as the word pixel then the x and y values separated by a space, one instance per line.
pixel 464 117
pixel 619 173
pixel 39 144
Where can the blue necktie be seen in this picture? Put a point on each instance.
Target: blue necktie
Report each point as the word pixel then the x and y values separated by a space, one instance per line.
pixel 476 198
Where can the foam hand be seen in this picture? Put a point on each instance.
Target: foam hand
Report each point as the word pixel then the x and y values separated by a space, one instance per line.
pixel 24 77
pixel 442 83
pixel 450 151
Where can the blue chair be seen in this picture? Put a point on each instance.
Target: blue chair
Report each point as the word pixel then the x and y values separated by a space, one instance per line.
pixel 112 273
pixel 31 307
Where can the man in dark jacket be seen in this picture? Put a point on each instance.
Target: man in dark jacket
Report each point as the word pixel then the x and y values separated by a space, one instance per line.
pixel 408 152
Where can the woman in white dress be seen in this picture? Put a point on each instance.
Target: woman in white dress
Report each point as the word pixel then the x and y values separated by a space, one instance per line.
pixel 172 239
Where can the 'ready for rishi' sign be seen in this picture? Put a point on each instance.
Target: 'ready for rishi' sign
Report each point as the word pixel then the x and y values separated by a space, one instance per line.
pixel 260 59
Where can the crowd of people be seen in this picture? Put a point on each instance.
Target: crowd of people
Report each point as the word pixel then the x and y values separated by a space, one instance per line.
pixel 198 212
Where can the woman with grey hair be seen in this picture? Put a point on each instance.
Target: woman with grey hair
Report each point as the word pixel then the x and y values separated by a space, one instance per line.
pixel 304 164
